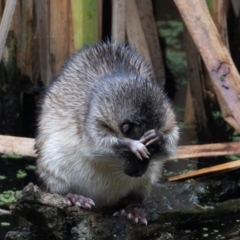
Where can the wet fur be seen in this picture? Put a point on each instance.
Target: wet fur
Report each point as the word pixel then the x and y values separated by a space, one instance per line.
pixel 79 124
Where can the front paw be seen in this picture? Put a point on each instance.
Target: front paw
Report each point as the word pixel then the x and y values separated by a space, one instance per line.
pixel 137 148
pixel 136 214
pixel 152 137
pixel 79 200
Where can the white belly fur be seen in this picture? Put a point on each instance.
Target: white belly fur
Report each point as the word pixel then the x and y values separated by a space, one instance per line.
pixel 100 179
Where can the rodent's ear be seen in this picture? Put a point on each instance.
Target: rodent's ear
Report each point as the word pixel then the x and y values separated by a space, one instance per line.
pixel 126 127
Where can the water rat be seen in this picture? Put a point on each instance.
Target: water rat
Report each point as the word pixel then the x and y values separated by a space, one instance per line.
pixel 105 128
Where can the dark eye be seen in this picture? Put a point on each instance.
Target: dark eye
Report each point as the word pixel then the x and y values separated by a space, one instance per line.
pixel 126 127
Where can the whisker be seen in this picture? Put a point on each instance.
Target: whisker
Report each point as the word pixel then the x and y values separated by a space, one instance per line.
pixel 120 175
pixel 117 172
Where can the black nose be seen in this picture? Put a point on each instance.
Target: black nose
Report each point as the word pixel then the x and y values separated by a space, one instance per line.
pixel 139 174
pixel 135 167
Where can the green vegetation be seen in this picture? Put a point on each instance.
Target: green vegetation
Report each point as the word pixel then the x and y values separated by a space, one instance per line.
pixel 4 224
pixel 172 32
pixel 8 197
pixel 15 156
pixel 2 177
pixel 21 174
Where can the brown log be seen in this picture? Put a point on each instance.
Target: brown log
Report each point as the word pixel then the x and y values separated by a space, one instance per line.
pixel 25 147
pixel 168 208
pixel 17 145
pixel 224 75
pixel 218 168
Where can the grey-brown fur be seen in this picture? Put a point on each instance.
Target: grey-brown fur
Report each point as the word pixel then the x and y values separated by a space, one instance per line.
pixel 101 90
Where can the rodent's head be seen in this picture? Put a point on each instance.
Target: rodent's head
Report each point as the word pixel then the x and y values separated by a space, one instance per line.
pixel 127 106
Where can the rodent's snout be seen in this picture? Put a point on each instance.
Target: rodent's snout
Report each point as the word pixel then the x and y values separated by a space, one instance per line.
pixel 135 167
pixel 138 174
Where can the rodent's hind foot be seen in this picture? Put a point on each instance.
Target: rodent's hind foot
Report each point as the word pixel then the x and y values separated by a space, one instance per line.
pixel 79 200
pixel 134 213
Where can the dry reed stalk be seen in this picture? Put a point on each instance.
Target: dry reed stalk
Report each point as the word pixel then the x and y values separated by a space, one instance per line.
pixel 219 168
pixel 25 147
pixel 219 16
pixel 236 6
pixel 27 37
pixel 42 18
pixel 189 116
pixel 5 23
pixel 118 20
pixel 224 75
pixel 150 30
pixel 135 34
pixel 59 13
pixel 195 84
pixel 85 22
